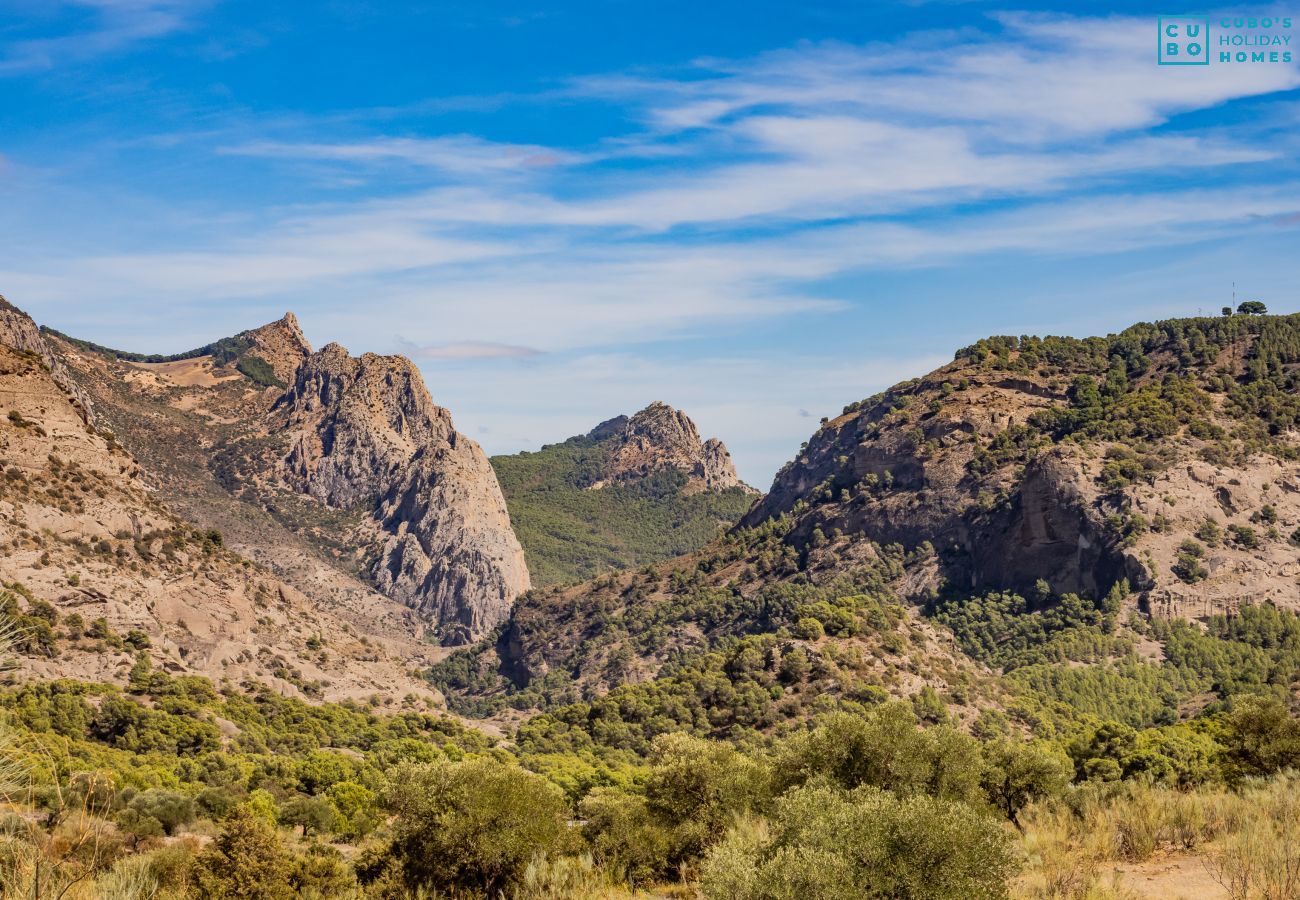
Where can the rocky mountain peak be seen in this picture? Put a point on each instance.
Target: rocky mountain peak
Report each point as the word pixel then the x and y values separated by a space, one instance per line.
pixel 364 433
pixel 660 437
pixel 281 344
pixel 357 420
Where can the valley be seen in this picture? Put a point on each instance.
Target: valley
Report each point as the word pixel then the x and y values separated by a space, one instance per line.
pixel 1044 596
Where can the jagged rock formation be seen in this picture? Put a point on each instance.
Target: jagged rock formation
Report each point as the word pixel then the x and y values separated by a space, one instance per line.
pixel 660 437
pixel 292 452
pixel 81 529
pixel 281 345
pixel 364 431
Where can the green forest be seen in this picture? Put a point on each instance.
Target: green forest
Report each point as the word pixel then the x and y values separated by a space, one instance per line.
pixel 571 532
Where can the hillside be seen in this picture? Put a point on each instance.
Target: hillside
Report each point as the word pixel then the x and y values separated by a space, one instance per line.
pixel 1045 501
pixel 1164 455
pixel 99 571
pixel 1019 628
pixel 339 473
pixel 631 491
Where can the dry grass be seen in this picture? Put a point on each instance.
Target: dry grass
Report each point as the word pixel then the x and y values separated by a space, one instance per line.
pixel 1248 840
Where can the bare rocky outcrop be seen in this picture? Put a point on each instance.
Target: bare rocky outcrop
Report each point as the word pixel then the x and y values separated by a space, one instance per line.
pixel 363 431
pixel 660 437
pixel 18 331
pixel 892 479
pixel 281 344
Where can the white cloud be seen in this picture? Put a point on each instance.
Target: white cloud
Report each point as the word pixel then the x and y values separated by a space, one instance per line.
pixel 755 184
pixel 469 350
pixel 1045 77
pixel 462 153
pixel 116 25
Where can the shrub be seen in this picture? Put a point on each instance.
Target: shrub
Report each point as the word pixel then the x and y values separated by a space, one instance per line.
pixel 1244 536
pixel 626 839
pixel 699 787
pixel 833 844
pixel 170 809
pixel 1017 774
pixel 1261 737
pixel 884 749
pixel 474 825
pixel 311 814
pixel 245 862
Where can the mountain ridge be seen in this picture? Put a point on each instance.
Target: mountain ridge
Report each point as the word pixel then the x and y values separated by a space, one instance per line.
pixel 89 546
pixel 356 480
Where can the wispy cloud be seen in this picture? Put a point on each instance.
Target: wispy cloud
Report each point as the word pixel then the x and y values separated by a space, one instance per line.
pixel 462 154
pixel 1043 77
pixel 99 28
pixel 469 350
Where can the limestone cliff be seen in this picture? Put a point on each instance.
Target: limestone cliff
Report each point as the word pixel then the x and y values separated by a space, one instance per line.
pixel 363 431
pixel 660 437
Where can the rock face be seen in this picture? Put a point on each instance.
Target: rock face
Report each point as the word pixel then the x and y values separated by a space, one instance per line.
pixel 281 344
pixel 364 433
pixel 960 460
pixel 19 332
pixel 914 479
pixel 660 437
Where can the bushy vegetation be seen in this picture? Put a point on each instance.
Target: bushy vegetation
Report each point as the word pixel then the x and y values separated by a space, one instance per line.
pixel 648 613
pixel 1156 380
pixel 259 371
pixel 740 722
pixel 230 350
pixel 749 768
pixel 853 805
pixel 570 532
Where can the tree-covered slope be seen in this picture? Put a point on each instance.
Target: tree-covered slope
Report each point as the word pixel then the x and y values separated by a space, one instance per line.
pixel 579 513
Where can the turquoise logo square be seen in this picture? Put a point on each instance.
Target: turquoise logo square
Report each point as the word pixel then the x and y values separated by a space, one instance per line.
pixel 1184 41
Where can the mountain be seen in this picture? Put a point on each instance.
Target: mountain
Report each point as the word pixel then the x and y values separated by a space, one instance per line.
pixel 363 432
pixel 338 473
pixel 1078 463
pixel 98 568
pixel 1044 501
pixel 634 490
pixel 1053 569
pixel 658 438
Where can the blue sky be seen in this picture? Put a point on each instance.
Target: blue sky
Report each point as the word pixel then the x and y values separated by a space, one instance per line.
pixel 755 211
